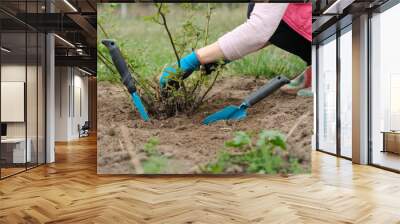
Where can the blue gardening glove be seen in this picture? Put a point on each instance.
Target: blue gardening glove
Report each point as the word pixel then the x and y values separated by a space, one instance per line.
pixel 189 63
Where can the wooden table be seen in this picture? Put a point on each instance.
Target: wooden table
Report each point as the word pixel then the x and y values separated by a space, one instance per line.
pixel 391 141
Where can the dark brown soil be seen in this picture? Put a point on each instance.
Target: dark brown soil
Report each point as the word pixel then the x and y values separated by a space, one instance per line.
pixel 183 138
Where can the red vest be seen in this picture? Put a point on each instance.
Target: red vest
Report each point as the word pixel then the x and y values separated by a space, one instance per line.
pixel 299 17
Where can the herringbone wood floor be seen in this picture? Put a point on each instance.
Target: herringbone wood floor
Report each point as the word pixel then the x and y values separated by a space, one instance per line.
pixel 69 191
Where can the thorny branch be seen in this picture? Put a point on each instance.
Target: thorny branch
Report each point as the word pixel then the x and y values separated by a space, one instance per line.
pixel 208 16
pixel 208 89
pixel 106 62
pixel 103 30
pixel 164 23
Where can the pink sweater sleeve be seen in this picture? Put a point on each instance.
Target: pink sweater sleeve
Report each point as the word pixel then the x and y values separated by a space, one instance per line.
pixel 254 33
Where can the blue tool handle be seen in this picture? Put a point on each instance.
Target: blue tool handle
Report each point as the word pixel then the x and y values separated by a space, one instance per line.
pixel 266 90
pixel 120 64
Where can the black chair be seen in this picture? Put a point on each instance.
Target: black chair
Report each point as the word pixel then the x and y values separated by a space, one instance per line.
pixel 84 130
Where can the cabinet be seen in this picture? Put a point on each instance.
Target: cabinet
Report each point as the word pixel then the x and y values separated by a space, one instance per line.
pixel 13 150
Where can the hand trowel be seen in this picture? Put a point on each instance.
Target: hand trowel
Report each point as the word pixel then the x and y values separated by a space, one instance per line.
pixel 240 112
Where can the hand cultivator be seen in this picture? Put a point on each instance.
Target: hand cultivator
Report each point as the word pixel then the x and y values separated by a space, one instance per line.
pixel 126 76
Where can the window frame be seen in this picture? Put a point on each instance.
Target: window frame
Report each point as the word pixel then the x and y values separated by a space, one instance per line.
pixel 334 37
pixel 381 9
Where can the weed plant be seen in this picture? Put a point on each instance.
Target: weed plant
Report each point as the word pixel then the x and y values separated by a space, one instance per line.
pixel 155 162
pixel 266 155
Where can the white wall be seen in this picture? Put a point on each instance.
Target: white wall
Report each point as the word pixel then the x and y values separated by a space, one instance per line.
pixel 10 73
pixel 80 94
pixel 14 72
pixel 70 83
pixel 62 81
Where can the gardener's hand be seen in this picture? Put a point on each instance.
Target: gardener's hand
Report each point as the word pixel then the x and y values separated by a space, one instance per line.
pixel 188 64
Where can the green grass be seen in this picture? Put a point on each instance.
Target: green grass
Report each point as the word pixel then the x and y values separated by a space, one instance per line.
pixel 146 43
pixel 269 62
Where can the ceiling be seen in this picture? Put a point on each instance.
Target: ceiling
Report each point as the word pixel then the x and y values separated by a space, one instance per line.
pixel 74 22
pixel 331 15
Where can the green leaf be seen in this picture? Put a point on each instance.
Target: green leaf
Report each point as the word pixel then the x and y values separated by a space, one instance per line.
pixel 294 166
pixel 155 165
pixel 274 137
pixel 259 158
pixel 241 139
pixel 151 147
pixel 114 5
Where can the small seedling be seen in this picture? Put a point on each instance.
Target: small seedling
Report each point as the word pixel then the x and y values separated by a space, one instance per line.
pixel 155 162
pixel 150 148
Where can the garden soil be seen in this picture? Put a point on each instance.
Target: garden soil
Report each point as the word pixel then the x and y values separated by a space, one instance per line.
pixel 187 142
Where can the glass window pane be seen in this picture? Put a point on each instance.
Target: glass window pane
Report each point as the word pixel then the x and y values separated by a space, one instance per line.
pixel 31 97
pixel 385 86
pixel 327 97
pixel 32 85
pixel 13 86
pixel 346 94
pixel 22 87
pixel 41 98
